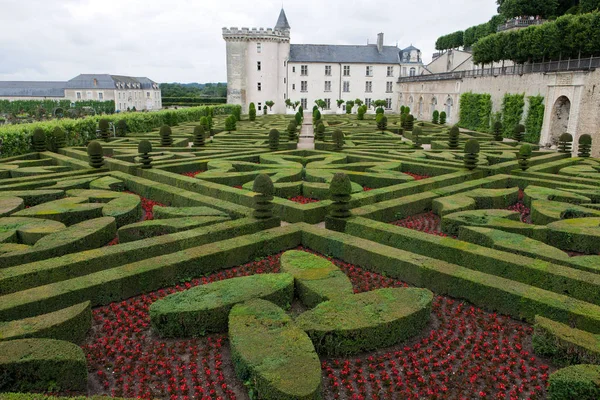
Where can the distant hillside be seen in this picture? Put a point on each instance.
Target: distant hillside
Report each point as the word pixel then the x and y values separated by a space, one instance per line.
pixel 194 89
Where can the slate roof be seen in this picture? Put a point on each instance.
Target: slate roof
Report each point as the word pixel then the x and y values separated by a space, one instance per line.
pixel 411 47
pixel 32 89
pixel 344 54
pixel 282 22
pixel 106 81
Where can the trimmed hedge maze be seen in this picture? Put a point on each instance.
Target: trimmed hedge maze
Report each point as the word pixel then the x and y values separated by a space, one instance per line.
pixel 383 262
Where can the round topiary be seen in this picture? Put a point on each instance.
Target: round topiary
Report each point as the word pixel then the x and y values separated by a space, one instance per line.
pixel 453 136
pixel 338 139
pixel 519 132
pixel 263 186
pixel 291 130
pixel 442 117
pixel 340 191
pixel 274 140
pixel 144 148
pixel 199 136
pixel 498 131
pixel 416 134
pixel 524 155
pixel 320 134
pixel 165 136
pixel 103 127
pixel 471 154
pixel 121 127
pixel 38 140
pixel 565 142
pixel 60 138
pixel 381 121
pixel 95 154
pixel 585 146
pixel 435 117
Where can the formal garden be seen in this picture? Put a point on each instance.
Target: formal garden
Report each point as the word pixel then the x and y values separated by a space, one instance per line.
pixel 202 254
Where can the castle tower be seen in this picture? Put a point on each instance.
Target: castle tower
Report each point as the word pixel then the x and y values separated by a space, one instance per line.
pixel 256 65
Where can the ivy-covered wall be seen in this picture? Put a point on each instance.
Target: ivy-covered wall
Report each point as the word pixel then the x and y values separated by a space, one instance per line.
pixel 475 111
pixel 512 112
pixel 535 119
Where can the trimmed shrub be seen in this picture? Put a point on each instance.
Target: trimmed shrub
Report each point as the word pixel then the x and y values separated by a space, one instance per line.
pixel 320 133
pixel 338 139
pixel 144 150
pixel 298 118
pixel 291 130
pixel 204 309
pixel 236 112
pixel 95 154
pixel 340 191
pixel 410 122
pixel 230 123
pixel 585 146
pixel 498 131
pixel 273 140
pixel 58 140
pixel 360 112
pixel 381 121
pixel 453 136
pixel 436 117
pixel 270 352
pixel 165 136
pixel 443 118
pixel 519 132
pixel 524 155
pixel 252 112
pixel 263 186
pixel 103 127
pixel 38 364
pixel 512 112
pixel 38 140
pixel 349 106
pixel 579 382
pixel 416 133
pixel 565 142
pixel 316 116
pixel 471 154
pixel 199 136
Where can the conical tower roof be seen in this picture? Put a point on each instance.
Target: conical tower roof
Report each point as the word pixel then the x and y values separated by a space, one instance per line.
pixel 282 22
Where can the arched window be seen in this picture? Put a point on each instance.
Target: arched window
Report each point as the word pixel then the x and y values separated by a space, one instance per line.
pixel 413 71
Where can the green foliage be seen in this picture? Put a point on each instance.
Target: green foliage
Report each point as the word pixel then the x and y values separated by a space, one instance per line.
pixel 95 154
pixel 585 146
pixel 443 118
pixel 237 112
pixel 38 140
pixel 474 33
pixel 338 139
pixel 166 138
pixel 320 133
pixel 121 127
pixel 535 119
pixel 291 130
pixel 144 148
pixel 273 140
pixel 263 185
pixel 516 8
pixel 565 142
pixel 436 117
pixel 575 382
pixel 230 123
pixel 339 102
pixel 524 155
pixel 586 6
pixel 195 90
pixel 16 139
pixel 298 118
pixel 103 127
pixel 512 112
pixel 416 134
pixel 270 104
pixel 453 135
pixel 39 107
pixel 252 112
pixel 410 122
pixel 349 106
pixel 382 122
pixel 199 136
pixel 564 38
pixel 475 111
pixel 519 132
pixel 191 101
pixel 497 130
pixel 452 41
pixel 471 154
pixel 340 190
pixel 360 113
pixel 316 116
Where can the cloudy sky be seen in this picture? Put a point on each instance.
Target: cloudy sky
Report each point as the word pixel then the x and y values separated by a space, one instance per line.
pixel 180 40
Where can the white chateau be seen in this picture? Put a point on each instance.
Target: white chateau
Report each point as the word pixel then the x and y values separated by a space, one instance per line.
pixel 262 65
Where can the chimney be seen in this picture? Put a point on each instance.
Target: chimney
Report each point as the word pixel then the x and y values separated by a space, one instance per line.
pixel 380 42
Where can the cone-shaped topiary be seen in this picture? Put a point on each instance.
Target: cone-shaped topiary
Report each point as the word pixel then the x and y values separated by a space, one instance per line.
pixel 121 127
pixel 471 154
pixel 403 120
pixel 436 117
pixel 498 131
pixel 410 122
pixel 230 123
pixel 524 155
pixel 199 136
pixel 340 191
pixel 453 135
pixel 316 116
pixel 165 136
pixel 442 117
pixel 360 112
pixel 144 150
pixel 38 140
pixel 585 146
pixel 263 186
pixel 252 112
pixel 291 130
pixel 565 142
pixel 274 140
pixel 519 132
pixel 205 124
pixel 338 139
pixel 298 118
pixel 95 154
pixel 60 138
pixel 416 133
pixel 381 121
pixel 320 134
pixel 103 127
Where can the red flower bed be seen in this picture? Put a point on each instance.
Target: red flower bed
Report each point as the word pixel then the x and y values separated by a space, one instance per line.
pixel 465 353
pixel 427 222
pixel 147 215
pixel 417 177
pixel 303 200
pixel 367 189
pixel 238 186
pixel 192 174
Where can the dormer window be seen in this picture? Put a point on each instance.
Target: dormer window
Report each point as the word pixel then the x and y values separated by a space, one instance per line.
pixel 95 82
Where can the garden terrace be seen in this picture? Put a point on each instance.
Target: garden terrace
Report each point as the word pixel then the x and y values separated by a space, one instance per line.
pixel 143 282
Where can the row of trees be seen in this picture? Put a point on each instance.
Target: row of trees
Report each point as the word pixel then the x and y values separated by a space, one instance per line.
pixel 193 89
pixel 570 36
pixel 508 9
